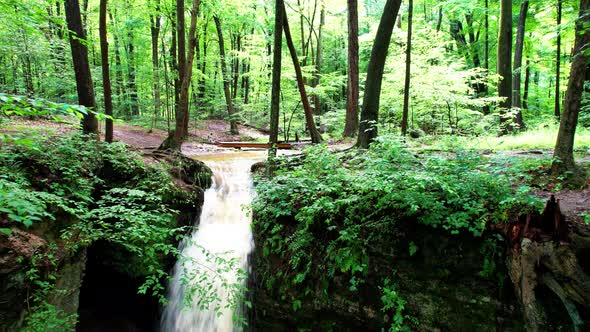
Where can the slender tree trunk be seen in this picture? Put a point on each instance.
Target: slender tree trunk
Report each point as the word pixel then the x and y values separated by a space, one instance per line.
pixel 226 80
pixel 106 76
pixel 408 67
pixel 119 90
pixel 486 52
pixel 202 86
pixel 81 66
pixel 155 33
pixel 527 79
pixel 439 21
pixel 276 79
pixel 174 67
pixel 516 74
pixel 313 131
pixel 519 45
pixel 132 84
pixel 558 62
pixel 236 65
pixel 563 157
pixel 175 139
pixel 181 40
pixel 504 65
pixel 317 103
pixel 370 108
pixel 351 124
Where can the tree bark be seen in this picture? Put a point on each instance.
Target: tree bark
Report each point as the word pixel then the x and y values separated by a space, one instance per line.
pixel 527 80
pixel 516 74
pixel 519 45
pixel 408 67
pixel 176 138
pixel 131 83
pixel 106 78
pixel 119 89
pixel 155 33
pixel 580 72
pixel 504 66
pixel 276 79
pixel 557 104
pixel 370 109
pixel 313 131
pixel 226 80
pixel 317 103
pixel 81 66
pixel 351 124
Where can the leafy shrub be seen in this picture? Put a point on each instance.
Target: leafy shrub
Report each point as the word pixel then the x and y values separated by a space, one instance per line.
pixel 322 217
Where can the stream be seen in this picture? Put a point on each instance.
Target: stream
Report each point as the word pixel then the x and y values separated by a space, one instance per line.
pixel 215 250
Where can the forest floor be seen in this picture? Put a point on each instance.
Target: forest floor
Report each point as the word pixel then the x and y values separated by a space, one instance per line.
pixel 574 203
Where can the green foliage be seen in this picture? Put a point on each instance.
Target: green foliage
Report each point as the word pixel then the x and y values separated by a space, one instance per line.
pixel 323 216
pixel 13 105
pixel 392 302
pixel 89 191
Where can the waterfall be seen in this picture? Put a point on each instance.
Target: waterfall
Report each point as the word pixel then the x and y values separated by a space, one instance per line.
pixel 210 258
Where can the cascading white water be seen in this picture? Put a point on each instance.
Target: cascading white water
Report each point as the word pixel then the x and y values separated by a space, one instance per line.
pixel 224 230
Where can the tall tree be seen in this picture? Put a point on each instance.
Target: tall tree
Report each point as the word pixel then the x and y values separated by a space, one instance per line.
pixel 516 74
pixel 518 49
pixel 155 33
pixel 352 99
pixel 81 66
pixel 106 76
pixel 370 109
pixel 408 66
pixel 505 66
pixel 176 138
pixel 557 104
pixel 310 123
pixel 317 103
pixel 563 156
pixel 226 80
pixel 275 94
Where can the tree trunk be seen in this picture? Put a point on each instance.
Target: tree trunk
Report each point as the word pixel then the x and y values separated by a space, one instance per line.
pixel 563 153
pixel 527 80
pixel 236 65
pixel 556 111
pixel 202 83
pixel 519 45
pixel 504 66
pixel 175 139
pixel 439 21
pixel 155 33
pixel 408 65
pixel 81 66
pixel 370 108
pixel 276 79
pixel 106 78
pixel 119 90
pixel 174 67
pixel 317 103
pixel 486 50
pixel 351 124
pixel 313 131
pixel 131 83
pixel 226 80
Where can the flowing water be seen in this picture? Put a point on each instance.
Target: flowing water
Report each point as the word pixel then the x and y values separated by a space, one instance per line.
pixel 223 232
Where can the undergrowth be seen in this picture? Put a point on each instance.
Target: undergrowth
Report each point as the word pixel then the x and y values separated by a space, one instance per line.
pixel 79 191
pixel 321 217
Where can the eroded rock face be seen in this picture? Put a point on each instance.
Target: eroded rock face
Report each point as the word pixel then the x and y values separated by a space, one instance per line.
pixel 441 284
pixel 15 249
